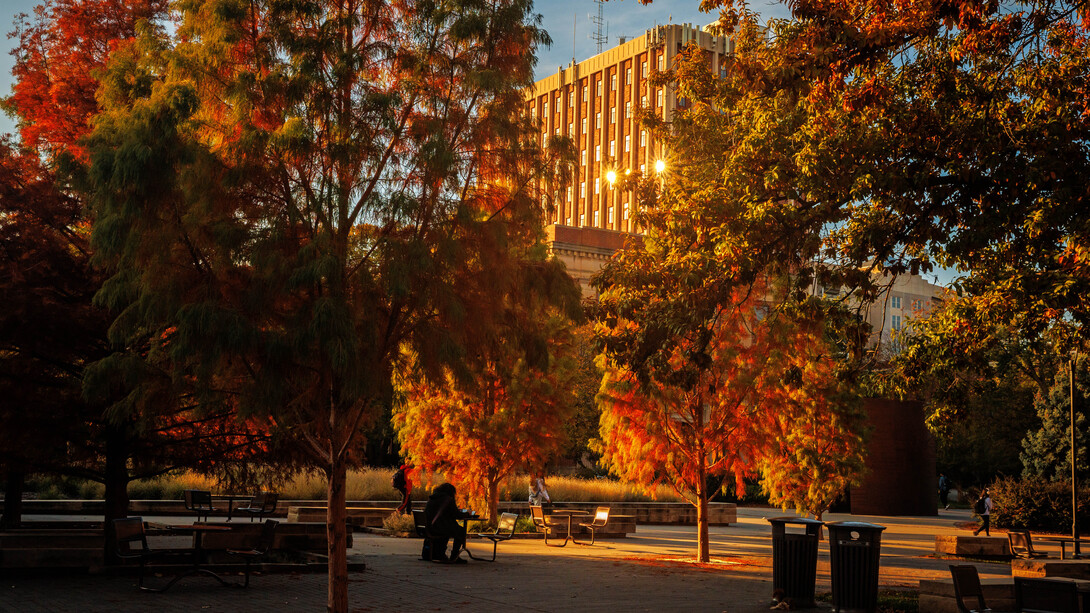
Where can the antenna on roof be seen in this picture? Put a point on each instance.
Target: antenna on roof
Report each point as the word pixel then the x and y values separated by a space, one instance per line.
pixel 573 18
pixel 600 37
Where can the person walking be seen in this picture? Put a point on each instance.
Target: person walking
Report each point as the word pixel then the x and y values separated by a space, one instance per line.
pixel 944 491
pixel 983 508
pixel 538 493
pixel 403 483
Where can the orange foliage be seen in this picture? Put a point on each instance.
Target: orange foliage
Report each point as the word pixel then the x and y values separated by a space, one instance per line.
pixel 765 403
pixel 511 417
pixel 58 57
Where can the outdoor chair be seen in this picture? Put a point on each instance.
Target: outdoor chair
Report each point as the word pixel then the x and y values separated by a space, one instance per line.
pixel 967 585
pixel 426 550
pixel 129 533
pixel 601 518
pixel 200 502
pixel 1022 545
pixel 260 550
pixel 1040 595
pixel 261 505
pixel 537 512
pixel 505 529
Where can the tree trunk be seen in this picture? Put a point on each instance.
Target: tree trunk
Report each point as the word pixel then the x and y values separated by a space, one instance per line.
pixel 116 482
pixel 336 534
pixel 703 550
pixel 493 503
pixel 13 498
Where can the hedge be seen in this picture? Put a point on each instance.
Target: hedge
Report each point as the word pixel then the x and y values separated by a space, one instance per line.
pixel 1031 504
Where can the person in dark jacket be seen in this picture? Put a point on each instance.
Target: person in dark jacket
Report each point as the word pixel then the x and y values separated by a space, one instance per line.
pixel 442 514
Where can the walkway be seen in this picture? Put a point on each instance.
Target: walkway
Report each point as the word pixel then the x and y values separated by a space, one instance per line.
pixel 648 571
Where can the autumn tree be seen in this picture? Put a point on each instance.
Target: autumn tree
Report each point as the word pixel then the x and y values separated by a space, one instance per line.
pixel 862 137
pixel 509 415
pixel 53 331
pixel 61 49
pixel 300 199
pixel 729 399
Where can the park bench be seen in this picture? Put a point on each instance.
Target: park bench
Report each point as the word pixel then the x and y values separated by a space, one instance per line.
pixel 505 529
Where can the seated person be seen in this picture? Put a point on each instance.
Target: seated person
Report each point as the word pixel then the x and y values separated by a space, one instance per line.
pixel 441 513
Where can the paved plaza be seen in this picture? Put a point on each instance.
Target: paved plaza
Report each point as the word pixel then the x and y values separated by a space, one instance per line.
pixel 649 571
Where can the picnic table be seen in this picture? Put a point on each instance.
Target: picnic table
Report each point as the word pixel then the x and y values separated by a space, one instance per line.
pixel 1064 541
pixel 231 498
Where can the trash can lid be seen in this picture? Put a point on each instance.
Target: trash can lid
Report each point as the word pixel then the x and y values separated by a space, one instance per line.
pixel 855 525
pixel 806 521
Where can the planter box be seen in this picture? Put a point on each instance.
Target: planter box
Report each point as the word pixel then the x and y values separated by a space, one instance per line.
pixel 973 546
pixel 937 595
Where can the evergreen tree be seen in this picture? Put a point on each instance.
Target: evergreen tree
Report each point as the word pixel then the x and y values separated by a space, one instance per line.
pixel 1046 453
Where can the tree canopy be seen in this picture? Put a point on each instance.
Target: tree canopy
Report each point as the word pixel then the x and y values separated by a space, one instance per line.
pixel 297 200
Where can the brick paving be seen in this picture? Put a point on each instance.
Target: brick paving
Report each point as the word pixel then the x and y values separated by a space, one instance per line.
pixel 645 572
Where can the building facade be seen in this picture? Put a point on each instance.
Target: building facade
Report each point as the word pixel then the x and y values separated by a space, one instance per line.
pixel 595 103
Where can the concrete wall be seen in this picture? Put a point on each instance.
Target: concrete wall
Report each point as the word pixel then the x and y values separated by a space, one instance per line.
pixel 901 461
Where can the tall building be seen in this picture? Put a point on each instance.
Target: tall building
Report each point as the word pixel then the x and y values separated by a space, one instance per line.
pixel 594 103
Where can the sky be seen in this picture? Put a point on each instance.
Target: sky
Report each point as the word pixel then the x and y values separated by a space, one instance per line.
pixel 622 18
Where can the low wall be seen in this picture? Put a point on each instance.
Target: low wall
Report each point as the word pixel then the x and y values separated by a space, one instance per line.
pixel 63 548
pixel 647 513
pixel 972 546
pixel 1071 569
pixel 719 513
pixel 937 595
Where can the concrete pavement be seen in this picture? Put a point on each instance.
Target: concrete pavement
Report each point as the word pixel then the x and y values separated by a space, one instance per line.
pixel 649 571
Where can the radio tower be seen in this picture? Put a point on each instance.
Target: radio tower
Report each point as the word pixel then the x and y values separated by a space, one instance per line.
pixel 599 36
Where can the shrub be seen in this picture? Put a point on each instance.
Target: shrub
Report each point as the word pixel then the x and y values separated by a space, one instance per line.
pixel 399 525
pixel 1036 505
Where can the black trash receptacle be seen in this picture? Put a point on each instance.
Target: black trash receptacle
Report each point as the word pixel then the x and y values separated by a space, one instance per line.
pixel 854 550
pixel 794 559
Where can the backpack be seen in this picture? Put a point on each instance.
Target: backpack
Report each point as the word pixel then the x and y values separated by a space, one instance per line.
pixel 979 507
pixel 399 479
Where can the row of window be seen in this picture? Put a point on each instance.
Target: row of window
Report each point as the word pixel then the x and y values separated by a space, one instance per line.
pixel 596 216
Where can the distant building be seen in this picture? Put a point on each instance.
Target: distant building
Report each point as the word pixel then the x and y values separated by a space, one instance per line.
pixel 595 102
pixel 907 297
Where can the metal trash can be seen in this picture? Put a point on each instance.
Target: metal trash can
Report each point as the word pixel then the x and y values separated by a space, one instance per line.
pixel 854 550
pixel 794 559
